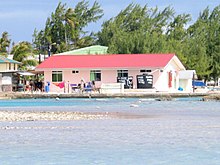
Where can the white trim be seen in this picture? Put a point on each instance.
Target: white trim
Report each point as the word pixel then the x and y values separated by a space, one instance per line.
pixel 114 68
pixel 177 61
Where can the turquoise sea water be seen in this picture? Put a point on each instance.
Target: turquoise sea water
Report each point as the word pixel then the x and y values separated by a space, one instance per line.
pixel 181 132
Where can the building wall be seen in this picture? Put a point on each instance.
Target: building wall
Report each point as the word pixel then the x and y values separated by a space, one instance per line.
pixel 107 76
pixel 162 84
pixel 5 67
pixel 6 82
pixel 134 73
pixel 68 77
pixel 6 76
pixel 160 77
pixel 186 84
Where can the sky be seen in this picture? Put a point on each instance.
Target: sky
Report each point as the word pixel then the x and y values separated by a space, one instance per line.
pixel 20 17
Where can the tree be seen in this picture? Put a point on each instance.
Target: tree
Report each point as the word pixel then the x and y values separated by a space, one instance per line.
pixel 65 27
pixel 195 51
pixel 136 29
pixel 4 43
pixel 139 29
pixel 203 50
pixel 213 41
pixel 177 36
pixel 22 52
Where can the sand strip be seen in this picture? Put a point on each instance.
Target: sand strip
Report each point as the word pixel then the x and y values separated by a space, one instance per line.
pixel 58 115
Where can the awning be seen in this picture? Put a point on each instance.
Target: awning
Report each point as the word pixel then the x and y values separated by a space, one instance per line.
pixel 36 72
pixel 26 73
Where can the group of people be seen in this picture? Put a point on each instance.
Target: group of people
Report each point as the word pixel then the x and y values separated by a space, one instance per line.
pixel 34 86
pixel 85 86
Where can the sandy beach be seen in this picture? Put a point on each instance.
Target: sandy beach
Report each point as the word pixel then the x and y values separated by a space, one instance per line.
pixel 48 116
pixel 61 116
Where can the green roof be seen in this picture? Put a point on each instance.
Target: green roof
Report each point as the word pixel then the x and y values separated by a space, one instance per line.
pixel 96 49
pixel 7 60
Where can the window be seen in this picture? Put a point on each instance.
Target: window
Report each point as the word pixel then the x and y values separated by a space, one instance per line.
pixel 57 76
pixel 75 71
pixel 122 73
pixel 9 66
pixel 145 71
pixel 14 66
pixel 95 75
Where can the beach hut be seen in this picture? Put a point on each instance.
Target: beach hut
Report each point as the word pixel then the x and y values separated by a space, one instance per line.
pixel 186 78
pixel 8 69
pixel 155 71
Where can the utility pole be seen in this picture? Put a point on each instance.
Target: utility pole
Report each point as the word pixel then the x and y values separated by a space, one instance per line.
pixel 49 49
pixel 39 58
pixel 193 82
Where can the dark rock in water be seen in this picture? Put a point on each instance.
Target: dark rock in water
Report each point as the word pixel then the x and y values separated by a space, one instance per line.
pixel 164 99
pixel 212 97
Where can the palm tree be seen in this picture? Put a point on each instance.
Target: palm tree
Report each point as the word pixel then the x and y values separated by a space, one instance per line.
pixel 22 52
pixel 65 27
pixel 71 23
pixel 4 43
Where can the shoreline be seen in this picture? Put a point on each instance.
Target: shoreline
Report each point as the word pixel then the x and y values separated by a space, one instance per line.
pixel 159 96
pixel 20 95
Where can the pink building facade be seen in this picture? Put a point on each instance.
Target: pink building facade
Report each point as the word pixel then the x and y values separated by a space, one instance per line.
pixel 73 69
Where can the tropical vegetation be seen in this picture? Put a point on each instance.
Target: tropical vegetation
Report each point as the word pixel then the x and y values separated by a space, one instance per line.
pixel 139 29
pixel 64 29
pixel 136 29
pixel 22 52
pixel 4 44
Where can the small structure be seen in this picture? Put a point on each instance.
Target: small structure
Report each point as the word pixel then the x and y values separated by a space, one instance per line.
pixel 186 78
pixel 136 71
pixel 8 69
pixel 96 49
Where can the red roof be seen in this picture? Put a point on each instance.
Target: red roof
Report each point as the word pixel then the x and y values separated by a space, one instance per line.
pixel 106 61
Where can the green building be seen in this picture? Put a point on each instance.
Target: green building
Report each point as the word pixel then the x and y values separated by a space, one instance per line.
pixel 96 49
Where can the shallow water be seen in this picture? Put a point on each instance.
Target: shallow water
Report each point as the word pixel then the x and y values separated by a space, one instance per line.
pixel 180 132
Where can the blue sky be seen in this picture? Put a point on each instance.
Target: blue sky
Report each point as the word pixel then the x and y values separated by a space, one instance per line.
pixel 20 17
